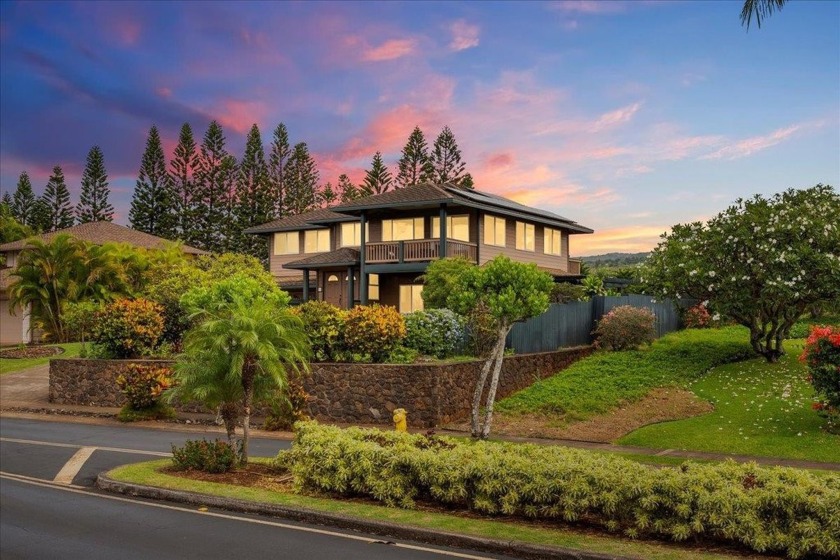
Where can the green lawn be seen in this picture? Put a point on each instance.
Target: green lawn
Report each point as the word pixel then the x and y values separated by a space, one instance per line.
pixel 760 409
pixel 604 380
pixel 71 350
pixel 147 474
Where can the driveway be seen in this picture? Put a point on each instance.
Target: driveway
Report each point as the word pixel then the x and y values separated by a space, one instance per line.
pixel 30 386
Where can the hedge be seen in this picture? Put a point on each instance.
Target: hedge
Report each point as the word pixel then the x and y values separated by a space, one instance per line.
pixel 765 509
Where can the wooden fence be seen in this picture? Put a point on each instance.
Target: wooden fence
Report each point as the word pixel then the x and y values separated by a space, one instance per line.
pixel 571 324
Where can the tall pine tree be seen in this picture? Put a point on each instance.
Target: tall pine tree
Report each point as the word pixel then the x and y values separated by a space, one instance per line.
pixel 40 216
pixel 93 203
pixel 254 204
pixel 415 165
pixel 182 177
pixel 446 159
pixel 346 190
pixel 23 201
pixel 378 179
pixel 215 173
pixel 327 195
pixel 57 200
pixel 6 201
pixel 277 159
pixel 301 177
pixel 153 204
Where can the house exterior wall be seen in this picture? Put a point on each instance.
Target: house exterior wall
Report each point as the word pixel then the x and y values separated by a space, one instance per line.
pixel 14 329
pixel 489 252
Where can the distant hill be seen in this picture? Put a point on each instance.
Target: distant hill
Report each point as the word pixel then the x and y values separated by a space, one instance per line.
pixel 615 259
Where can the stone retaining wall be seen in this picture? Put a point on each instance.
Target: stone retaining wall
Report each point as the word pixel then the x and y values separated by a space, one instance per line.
pixel 433 394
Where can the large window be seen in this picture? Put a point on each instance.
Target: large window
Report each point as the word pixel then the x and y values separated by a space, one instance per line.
pixel 494 231
pixel 316 241
pixel 552 242
pixel 524 236
pixel 411 298
pixel 457 227
pixel 351 234
pixel 287 243
pixel 404 229
pixel 373 286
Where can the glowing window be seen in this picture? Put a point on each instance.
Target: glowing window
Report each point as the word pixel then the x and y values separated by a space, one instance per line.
pixel 287 243
pixel 494 231
pixel 457 227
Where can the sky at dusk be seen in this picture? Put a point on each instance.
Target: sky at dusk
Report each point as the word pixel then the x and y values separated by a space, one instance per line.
pixel 626 117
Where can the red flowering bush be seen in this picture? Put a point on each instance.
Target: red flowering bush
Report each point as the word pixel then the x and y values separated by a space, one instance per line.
pixel 625 328
pixel 822 354
pixel 697 317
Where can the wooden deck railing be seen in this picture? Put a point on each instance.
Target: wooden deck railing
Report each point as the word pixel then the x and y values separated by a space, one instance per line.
pixel 417 251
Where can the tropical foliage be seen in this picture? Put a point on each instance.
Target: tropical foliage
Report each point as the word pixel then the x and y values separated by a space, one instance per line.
pixel 206 456
pixel 436 332
pixel 324 324
pixel 822 354
pixel 128 328
pixel 625 328
pixel 373 330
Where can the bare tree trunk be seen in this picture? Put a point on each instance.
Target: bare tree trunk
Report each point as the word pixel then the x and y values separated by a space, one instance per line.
pixel 228 412
pixel 499 356
pixel 479 389
pixel 247 397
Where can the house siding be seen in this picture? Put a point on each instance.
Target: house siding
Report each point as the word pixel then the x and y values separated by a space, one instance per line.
pixel 487 252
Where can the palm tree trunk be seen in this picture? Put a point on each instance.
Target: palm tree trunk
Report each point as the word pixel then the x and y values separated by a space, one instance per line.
pixel 247 398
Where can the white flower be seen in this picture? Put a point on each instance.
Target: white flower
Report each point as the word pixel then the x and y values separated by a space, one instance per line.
pixel 712 273
pixel 716 317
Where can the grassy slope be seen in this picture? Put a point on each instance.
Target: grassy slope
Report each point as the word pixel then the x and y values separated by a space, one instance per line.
pixel 71 350
pixel 760 409
pixel 146 473
pixel 596 384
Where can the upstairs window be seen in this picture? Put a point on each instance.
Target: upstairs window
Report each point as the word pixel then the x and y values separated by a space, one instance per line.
pixel 524 236
pixel 552 242
pixel 287 243
pixel 316 241
pixel 494 231
pixel 351 234
pixel 457 227
pixel 403 229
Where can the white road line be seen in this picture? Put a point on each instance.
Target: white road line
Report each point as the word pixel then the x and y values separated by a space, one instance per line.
pixel 77 490
pixel 114 449
pixel 72 467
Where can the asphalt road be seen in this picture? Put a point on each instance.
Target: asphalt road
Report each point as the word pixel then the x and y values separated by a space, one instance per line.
pixel 49 508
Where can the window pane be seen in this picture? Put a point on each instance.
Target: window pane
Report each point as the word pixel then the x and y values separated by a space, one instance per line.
pixel 500 232
pixel 323 240
pixel 405 299
pixel 417 298
pixel 529 237
pixel 286 243
pixel 419 228
pixel 350 235
pixel 459 228
pixel 373 292
pixel 386 230
pixel 489 232
pixel 436 227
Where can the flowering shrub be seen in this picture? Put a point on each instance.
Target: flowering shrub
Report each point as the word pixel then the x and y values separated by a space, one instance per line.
pixel 625 328
pixel 822 354
pixel 206 456
pixel 143 385
pixel 436 332
pixel 374 330
pixel 324 323
pixel 128 328
pixel 697 317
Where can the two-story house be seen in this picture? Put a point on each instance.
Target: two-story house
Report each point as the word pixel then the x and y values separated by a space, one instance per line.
pixel 374 249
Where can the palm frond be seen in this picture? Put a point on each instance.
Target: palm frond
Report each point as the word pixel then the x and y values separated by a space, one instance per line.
pixel 760 9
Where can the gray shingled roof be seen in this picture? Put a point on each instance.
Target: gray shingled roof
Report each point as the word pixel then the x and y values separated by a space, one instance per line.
pixel 342 257
pixel 100 233
pixel 307 220
pixel 424 193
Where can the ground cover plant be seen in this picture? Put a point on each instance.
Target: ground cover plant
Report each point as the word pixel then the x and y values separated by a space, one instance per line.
pixel 760 409
pixel 605 380
pixel 767 510
pixel 9 365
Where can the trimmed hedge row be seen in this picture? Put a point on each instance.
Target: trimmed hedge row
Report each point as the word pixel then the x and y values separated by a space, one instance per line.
pixel 768 510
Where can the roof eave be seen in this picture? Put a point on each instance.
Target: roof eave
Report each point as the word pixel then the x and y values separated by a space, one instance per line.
pixel 413 204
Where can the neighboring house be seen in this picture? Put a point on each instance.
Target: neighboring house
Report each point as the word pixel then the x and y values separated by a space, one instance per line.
pixel 14 323
pixel 318 255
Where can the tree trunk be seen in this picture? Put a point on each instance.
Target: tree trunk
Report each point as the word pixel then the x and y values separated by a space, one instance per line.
pixel 479 389
pixel 228 412
pixel 499 356
pixel 247 397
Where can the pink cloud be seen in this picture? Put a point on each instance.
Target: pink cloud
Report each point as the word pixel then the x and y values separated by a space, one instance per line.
pixel 164 92
pixel 749 146
pixel 240 115
pixel 387 132
pixel 389 50
pixel 464 35
pixel 499 160
pixel 619 116
pixel 589 6
pixel 127 31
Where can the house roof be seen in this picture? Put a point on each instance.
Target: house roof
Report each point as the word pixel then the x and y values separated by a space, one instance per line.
pixel 100 233
pixel 556 272
pixel 424 193
pixel 342 257
pixel 294 282
pixel 307 220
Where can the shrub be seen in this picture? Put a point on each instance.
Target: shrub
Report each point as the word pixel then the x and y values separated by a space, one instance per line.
pixel 564 292
pixel 697 317
pixel 374 330
pixel 822 354
pixel 165 286
pixel 143 385
pixel 481 331
pixel 241 288
pixel 436 332
pixel 402 355
pixel 285 411
pixel 324 323
pixel 768 510
pixel 205 456
pixel 625 328
pixel 128 328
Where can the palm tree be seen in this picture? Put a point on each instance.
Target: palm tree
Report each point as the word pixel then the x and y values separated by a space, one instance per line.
pixel 242 351
pixel 759 9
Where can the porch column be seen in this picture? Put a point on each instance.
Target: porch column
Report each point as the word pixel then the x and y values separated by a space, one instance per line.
pixel 443 231
pixel 305 285
pixel 363 278
pixel 350 290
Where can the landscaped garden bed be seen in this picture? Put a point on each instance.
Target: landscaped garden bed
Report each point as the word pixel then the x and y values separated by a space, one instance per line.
pixel 26 352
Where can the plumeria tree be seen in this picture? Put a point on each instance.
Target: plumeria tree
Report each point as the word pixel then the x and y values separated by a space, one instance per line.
pixel 762 262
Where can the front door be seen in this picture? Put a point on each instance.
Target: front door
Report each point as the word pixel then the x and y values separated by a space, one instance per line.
pixel 334 289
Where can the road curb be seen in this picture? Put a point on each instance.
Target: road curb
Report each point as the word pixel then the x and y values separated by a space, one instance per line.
pixel 394 530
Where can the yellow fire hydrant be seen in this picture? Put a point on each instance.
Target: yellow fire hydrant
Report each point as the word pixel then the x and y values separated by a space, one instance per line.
pixel 400 423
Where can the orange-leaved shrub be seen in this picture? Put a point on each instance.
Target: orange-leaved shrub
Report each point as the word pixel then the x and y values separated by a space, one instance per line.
pixel 128 328
pixel 143 384
pixel 625 328
pixel 374 330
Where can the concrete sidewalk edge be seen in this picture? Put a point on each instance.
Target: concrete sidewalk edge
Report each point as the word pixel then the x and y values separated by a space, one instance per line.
pixel 394 530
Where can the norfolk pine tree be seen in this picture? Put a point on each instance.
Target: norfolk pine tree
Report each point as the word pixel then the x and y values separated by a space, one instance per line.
pixel 93 203
pixel 346 190
pixel 153 204
pixel 253 205
pixel 57 199
pixel 446 159
pixel 301 181
pixel 327 195
pixel 415 165
pixel 277 159
pixel 23 201
pixel 182 176
pixel 215 172
pixel 378 179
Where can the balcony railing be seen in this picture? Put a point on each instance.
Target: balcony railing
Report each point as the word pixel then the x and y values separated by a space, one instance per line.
pixel 574 266
pixel 417 251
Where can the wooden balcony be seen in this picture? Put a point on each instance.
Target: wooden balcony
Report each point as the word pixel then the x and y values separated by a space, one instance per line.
pixel 574 266
pixel 419 250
